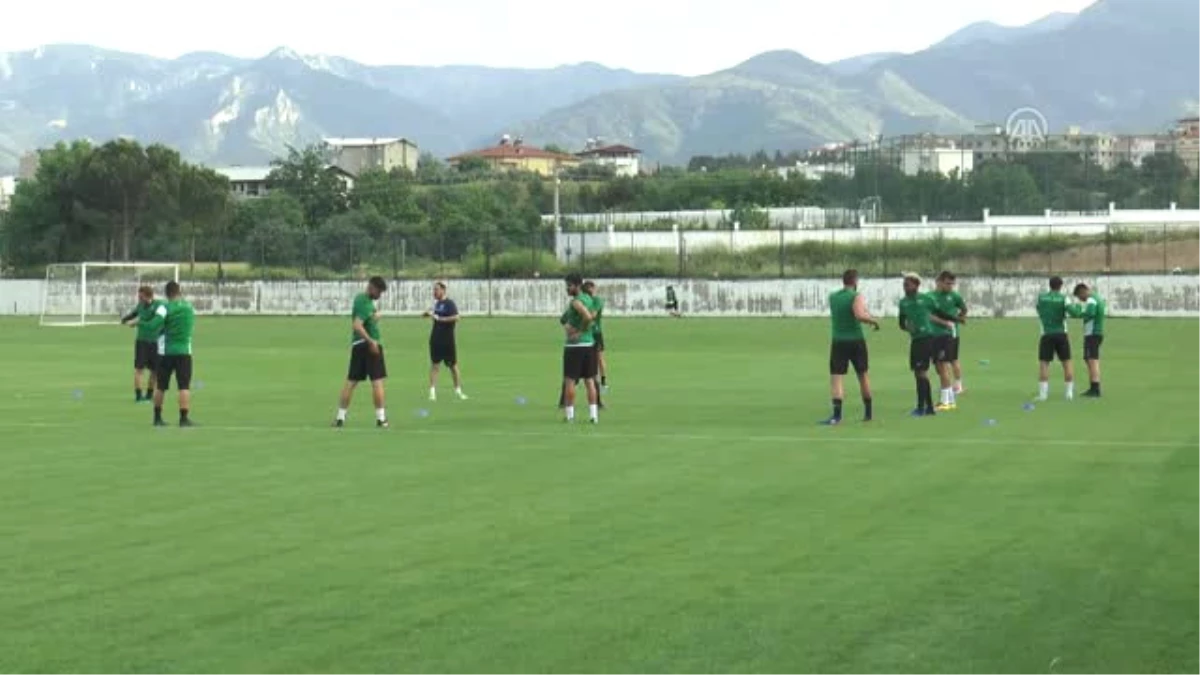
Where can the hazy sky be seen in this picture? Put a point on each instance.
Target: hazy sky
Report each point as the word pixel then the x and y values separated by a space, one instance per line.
pixel 673 36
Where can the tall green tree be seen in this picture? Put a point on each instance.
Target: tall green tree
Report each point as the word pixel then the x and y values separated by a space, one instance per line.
pixel 308 177
pixel 204 207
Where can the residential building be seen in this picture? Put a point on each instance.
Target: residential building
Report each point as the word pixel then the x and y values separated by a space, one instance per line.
pixel 623 159
pixel 8 187
pixel 816 171
pixel 356 155
pixel 1135 149
pixel 251 181
pixel 515 155
pixel 947 160
pixel 27 165
pixel 1187 142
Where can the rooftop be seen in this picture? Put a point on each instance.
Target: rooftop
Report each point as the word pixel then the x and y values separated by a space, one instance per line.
pixel 616 149
pixel 244 174
pixel 513 150
pixel 363 142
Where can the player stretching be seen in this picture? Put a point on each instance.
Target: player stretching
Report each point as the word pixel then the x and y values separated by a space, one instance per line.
pixel 366 353
pixel 579 353
pixel 145 346
pixel 847 313
pixel 589 287
pixel 442 347
pixel 1094 310
pixel 918 319
pixel 178 322
pixel 945 287
pixel 1053 310
pixel 947 306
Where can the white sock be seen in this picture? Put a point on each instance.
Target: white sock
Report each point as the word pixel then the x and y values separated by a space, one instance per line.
pixel 458 390
pixel 570 412
pixel 594 411
pixel 381 414
pixel 1070 390
pixel 1043 389
pixel 946 396
pixel 341 414
pixel 953 396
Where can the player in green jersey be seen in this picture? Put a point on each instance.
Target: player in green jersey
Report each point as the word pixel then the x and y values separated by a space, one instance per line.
pixel 589 287
pixel 366 353
pixel 948 305
pixel 1053 310
pixel 145 317
pixel 918 317
pixel 579 352
pixel 672 302
pixel 946 283
pixel 178 324
pixel 1093 310
pixel 847 313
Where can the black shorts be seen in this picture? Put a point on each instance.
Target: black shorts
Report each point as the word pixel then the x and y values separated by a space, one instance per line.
pixel 366 366
pixel 579 363
pixel 920 353
pixel 672 306
pixel 443 351
pixel 952 349
pixel 939 348
pixel 1091 347
pixel 145 355
pixel 179 365
pixel 842 353
pixel 599 341
pixel 1054 345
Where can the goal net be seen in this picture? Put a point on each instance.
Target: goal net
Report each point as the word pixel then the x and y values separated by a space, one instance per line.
pixel 87 294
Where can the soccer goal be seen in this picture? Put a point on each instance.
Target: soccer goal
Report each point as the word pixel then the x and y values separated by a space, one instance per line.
pixel 90 294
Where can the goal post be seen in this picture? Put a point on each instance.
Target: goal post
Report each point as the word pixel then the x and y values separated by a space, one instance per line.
pixel 91 294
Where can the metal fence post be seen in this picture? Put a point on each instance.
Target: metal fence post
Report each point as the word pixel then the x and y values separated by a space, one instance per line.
pixel 782 253
pixel 886 236
pixel 1166 265
pixel 1108 247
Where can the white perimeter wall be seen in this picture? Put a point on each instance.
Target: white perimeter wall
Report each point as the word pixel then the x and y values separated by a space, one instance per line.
pixel 1134 296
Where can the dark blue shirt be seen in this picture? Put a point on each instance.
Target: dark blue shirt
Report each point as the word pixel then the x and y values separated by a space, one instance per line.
pixel 443 332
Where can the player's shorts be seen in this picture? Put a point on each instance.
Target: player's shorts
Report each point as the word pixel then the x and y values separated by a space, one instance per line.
pixel 920 353
pixel 443 351
pixel 672 306
pixel 599 341
pixel 366 366
pixel 952 349
pixel 939 348
pixel 145 355
pixel 1054 345
pixel 579 363
pixel 179 365
pixel 843 353
pixel 1091 347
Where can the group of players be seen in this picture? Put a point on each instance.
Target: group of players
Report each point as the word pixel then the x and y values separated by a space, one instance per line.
pixel 932 321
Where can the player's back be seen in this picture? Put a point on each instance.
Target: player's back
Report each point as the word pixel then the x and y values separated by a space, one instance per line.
pixel 1052 312
pixel 178 326
pixel 845 326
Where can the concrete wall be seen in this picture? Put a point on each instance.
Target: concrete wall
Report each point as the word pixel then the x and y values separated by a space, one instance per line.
pixel 1132 296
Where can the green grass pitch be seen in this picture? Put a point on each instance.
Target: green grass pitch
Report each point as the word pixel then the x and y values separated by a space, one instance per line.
pixel 707 524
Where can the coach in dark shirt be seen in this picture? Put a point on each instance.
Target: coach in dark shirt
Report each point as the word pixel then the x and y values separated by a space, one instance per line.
pixel 442 348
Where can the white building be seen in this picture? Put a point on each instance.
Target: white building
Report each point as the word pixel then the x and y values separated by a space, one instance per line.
pixel 943 160
pixel 8 187
pixel 624 160
pixel 816 171
pixel 356 155
pixel 1135 149
pixel 251 181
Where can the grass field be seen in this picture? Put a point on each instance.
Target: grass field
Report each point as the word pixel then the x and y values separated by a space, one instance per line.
pixel 706 525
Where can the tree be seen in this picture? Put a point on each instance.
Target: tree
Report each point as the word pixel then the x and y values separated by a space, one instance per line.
pixel 554 147
pixel 307 176
pixel 118 176
pixel 204 205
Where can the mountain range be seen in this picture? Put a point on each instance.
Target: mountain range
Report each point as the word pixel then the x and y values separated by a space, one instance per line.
pixel 1119 65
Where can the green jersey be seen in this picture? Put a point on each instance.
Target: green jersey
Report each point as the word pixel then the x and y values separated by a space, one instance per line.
pixel 574 319
pixel 1093 313
pixel 178 324
pixel 846 326
pixel 364 310
pixel 915 311
pixel 599 303
pixel 671 296
pixel 149 320
pixel 1053 310
pixel 947 305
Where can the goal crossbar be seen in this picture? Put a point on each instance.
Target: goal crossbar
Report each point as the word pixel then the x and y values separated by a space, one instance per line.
pixel 89 294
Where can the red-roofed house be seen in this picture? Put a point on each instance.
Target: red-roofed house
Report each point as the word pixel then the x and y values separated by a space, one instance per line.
pixel 623 159
pixel 514 155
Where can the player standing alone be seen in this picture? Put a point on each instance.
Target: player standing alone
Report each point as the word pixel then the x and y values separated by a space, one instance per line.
pixel 579 353
pixel 847 313
pixel 146 344
pixel 366 353
pixel 178 323
pixel 948 306
pixel 442 346
pixel 945 287
pixel 918 319
pixel 1053 310
pixel 1093 312
pixel 672 302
